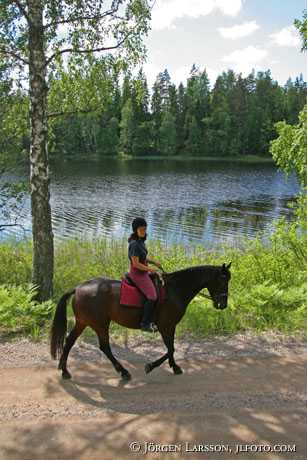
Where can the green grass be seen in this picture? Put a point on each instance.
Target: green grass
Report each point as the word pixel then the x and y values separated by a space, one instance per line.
pixel 268 289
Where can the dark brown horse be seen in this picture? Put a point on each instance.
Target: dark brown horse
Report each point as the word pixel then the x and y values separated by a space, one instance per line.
pixel 96 304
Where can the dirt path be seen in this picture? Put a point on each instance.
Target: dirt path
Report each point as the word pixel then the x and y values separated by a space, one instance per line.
pixel 241 391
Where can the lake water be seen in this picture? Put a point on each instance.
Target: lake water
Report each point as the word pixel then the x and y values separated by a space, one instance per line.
pixel 187 202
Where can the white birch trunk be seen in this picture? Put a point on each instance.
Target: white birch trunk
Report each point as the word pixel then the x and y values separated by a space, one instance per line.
pixel 42 274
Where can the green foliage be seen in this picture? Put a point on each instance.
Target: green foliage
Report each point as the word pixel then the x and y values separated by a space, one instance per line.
pixel 127 126
pixel 16 262
pixel 13 142
pixel 193 143
pixel 82 83
pixel 19 313
pixel 167 135
pixel 86 85
pixel 235 118
pixel 289 150
pixel 302 28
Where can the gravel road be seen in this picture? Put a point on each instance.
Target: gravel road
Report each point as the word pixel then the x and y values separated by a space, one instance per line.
pixel 242 397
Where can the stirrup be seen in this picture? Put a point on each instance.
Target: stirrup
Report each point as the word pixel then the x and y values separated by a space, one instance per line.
pixel 151 327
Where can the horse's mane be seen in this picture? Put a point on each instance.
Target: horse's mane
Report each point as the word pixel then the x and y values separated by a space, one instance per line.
pixel 183 272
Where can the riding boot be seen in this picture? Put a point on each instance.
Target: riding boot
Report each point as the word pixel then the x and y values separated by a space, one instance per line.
pixel 146 323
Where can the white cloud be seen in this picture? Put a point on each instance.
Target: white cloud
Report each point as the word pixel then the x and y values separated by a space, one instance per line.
pixel 178 75
pixel 229 7
pixel 288 36
pixel 151 71
pixel 165 12
pixel 181 74
pixel 238 31
pixel 244 60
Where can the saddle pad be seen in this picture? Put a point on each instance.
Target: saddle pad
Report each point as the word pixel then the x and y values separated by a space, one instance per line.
pixel 130 295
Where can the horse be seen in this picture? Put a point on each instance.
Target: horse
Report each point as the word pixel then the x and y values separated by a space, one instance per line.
pixel 96 303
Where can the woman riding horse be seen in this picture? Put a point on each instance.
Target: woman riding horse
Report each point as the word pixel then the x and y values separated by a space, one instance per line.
pixel 139 271
pixel 96 303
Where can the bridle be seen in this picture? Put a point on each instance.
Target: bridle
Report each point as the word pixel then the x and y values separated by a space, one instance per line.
pixel 224 294
pixel 205 295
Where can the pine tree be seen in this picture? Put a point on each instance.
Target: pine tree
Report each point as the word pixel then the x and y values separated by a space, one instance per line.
pixel 182 108
pixel 167 134
pixel 127 129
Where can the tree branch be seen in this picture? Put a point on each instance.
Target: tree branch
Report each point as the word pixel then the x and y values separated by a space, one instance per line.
pixel 2 226
pixel 13 54
pixel 22 9
pixel 91 50
pixel 82 18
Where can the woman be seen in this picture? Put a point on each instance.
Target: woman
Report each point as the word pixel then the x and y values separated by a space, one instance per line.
pixel 139 271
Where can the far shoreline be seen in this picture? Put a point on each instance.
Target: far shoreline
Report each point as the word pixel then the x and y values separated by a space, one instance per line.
pixel 97 158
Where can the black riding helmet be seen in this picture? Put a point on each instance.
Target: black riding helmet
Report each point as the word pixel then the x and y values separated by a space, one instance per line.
pixel 138 222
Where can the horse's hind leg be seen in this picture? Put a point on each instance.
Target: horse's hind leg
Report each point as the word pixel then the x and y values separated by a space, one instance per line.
pixel 69 342
pixel 104 345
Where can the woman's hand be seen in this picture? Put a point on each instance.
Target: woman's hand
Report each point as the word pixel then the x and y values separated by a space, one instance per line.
pixel 151 261
pixel 152 270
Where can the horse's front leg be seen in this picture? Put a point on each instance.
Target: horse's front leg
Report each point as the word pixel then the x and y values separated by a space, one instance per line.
pixel 150 366
pixel 168 339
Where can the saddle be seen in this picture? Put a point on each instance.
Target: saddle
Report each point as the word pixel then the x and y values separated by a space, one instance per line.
pixel 132 296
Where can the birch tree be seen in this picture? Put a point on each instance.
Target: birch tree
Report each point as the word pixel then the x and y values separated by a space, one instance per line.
pixel 36 34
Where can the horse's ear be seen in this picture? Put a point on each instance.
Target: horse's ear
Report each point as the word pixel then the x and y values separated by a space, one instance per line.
pixel 226 268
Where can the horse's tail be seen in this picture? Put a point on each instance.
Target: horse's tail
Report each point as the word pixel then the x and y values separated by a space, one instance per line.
pixel 59 327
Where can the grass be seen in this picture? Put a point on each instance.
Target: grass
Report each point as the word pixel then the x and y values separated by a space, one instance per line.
pixel 268 289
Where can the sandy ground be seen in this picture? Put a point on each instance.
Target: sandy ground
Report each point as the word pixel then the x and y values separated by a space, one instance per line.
pixel 246 393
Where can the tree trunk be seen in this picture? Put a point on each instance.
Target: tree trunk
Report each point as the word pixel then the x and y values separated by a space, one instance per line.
pixel 42 274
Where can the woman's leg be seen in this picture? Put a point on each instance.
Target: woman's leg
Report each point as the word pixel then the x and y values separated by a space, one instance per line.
pixel 146 285
pixel 146 322
pixel 149 306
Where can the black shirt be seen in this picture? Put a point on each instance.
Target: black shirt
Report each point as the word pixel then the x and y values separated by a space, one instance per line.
pixel 137 248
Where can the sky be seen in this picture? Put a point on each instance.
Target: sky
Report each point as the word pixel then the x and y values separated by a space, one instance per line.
pixel 225 34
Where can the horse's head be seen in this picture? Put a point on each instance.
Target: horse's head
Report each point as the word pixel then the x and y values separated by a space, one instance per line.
pixel 218 288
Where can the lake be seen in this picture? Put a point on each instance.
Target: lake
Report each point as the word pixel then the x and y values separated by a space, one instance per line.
pixel 187 202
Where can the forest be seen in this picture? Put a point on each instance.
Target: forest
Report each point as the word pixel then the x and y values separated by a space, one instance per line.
pixel 233 117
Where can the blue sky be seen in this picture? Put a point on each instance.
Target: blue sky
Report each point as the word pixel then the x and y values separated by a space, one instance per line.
pixel 222 34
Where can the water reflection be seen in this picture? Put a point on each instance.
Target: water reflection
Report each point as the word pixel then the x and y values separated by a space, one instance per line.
pixel 186 202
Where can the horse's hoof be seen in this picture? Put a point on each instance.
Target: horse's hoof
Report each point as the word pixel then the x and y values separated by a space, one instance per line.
pixel 147 368
pixel 126 376
pixel 177 370
pixel 66 375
